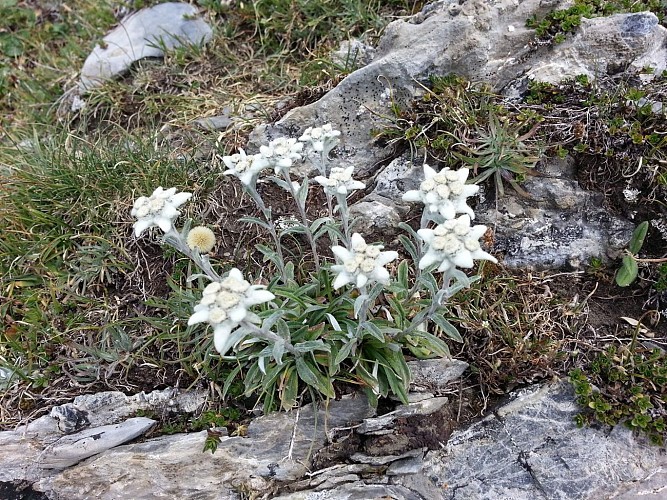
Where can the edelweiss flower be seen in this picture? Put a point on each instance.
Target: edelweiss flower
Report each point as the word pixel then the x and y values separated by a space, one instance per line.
pixel 323 138
pixel 363 264
pixel 340 181
pixel 224 306
pixel 281 153
pixel 159 209
pixel 245 167
pixel 444 192
pixel 453 244
pixel 201 238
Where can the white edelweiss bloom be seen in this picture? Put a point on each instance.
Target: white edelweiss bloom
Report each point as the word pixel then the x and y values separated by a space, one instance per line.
pixel 281 153
pixel 340 181
pixel 159 209
pixel 362 264
pixel 321 138
pixel 245 167
pixel 224 306
pixel 453 244
pixel 444 192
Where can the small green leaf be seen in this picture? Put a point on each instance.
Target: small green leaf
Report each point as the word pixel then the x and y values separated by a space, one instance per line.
pixel 638 236
pixel 446 327
pixel 255 220
pixel 627 273
pixel 314 378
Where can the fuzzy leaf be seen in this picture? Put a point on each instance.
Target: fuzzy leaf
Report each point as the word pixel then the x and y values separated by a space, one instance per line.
pixel 447 328
pixel 255 220
pixel 627 273
pixel 638 236
pixel 314 378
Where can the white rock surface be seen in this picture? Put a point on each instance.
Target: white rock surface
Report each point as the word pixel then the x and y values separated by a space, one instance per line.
pixel 140 35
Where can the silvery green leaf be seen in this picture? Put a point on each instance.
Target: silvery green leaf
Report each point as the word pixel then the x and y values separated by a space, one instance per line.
pixel 255 220
pixel 269 254
pixel 359 302
pixel 268 323
pixel 278 351
pixel 193 277
pixel 289 271
pixel 283 329
pixel 186 229
pixel 346 351
pixel 260 363
pixel 446 327
pixel 280 182
pixel 374 330
pixel 295 228
pixel 315 225
pixel 334 322
pixel 302 193
pixel 330 229
pixel 312 345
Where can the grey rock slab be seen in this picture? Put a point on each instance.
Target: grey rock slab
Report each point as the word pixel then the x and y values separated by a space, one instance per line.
pixel 532 449
pixel 384 424
pixel 278 449
pixel 560 226
pixel 359 490
pixel 434 375
pixel 74 448
pixel 626 42
pixel 143 34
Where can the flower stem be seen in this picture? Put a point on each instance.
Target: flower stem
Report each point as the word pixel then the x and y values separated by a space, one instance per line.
pixel 304 219
pixel 268 335
pixel 344 217
pixel 266 211
pixel 174 239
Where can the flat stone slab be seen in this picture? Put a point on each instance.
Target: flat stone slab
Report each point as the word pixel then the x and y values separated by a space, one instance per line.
pixel 532 449
pixel 143 34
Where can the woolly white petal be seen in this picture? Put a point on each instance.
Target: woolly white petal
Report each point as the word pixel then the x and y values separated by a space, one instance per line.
pixel 178 199
pixel 426 235
pixel 246 178
pixel 164 223
pixel 381 274
pixel 258 297
pixel 169 211
pixel 356 185
pixel 141 225
pixel 342 253
pixel 237 314
pixel 362 279
pixel 482 255
pixel 236 274
pixel 429 259
pixel 221 335
pixel 386 257
pixel 429 172
pixel 199 317
pixel 413 195
pixel 447 210
pixel 463 259
pixel 446 265
pixel 357 239
pixel 342 279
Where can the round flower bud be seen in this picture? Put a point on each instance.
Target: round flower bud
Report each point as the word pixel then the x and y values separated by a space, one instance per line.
pixel 201 239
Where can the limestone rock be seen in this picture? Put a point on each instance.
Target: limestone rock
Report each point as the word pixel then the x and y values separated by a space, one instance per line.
pixel 74 448
pixel 607 45
pixel 143 34
pixel 435 375
pixel 278 449
pixel 541 452
pixel 561 226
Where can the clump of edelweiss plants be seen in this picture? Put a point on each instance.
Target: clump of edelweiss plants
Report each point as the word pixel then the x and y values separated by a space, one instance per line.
pixel 352 319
